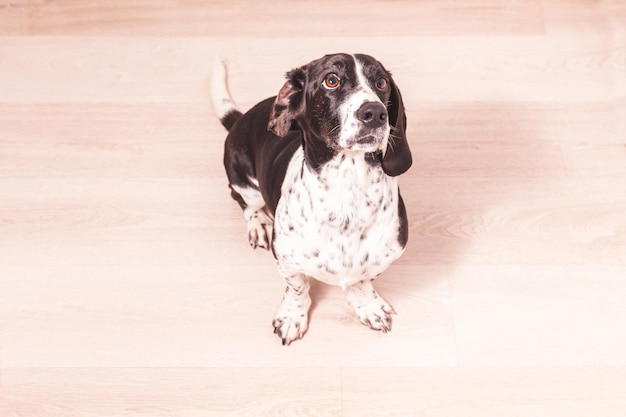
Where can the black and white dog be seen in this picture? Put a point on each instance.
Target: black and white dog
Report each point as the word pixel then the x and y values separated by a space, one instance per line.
pixel 319 162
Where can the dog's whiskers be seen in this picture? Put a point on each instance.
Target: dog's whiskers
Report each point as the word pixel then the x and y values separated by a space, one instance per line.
pixel 392 138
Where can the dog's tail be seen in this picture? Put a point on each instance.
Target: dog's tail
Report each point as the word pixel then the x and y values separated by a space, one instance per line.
pixel 223 104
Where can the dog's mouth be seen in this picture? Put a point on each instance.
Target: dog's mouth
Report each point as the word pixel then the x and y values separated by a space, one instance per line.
pixel 363 140
pixel 367 143
pixel 368 140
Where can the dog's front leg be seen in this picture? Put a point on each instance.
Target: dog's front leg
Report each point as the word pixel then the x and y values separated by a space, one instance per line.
pixel 371 309
pixel 292 319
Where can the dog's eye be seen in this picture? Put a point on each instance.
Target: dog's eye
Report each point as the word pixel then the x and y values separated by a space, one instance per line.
pixel 381 84
pixel 331 81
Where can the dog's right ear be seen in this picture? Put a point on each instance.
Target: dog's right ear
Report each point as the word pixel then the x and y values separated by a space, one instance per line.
pixel 289 102
pixel 397 158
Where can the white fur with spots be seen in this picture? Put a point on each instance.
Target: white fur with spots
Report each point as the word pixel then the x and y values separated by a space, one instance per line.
pixel 339 226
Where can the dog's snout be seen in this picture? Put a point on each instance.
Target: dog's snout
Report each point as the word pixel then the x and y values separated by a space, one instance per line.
pixel 372 114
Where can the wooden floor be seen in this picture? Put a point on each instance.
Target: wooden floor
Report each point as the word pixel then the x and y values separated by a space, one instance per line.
pixel 127 287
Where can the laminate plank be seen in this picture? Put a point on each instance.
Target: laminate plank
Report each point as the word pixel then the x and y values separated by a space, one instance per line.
pixel 170 392
pixel 516 221
pixel 537 391
pixel 102 222
pixel 606 17
pixel 596 160
pixel 558 315
pixel 174 140
pixel 217 316
pixel 110 141
pixel 514 123
pixel 271 18
pixel 456 220
pixel 148 70
pixel 349 392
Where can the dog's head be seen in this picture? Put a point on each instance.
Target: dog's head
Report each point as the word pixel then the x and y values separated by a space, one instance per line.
pixel 350 103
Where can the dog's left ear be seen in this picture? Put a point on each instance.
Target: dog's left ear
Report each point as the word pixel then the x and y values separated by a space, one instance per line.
pixel 397 158
pixel 288 103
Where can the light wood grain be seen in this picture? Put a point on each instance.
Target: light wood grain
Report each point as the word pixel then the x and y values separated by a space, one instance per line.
pixel 127 287
pixel 327 392
pixel 276 18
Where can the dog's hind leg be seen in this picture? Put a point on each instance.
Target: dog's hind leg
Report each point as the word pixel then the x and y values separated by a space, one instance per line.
pixel 259 223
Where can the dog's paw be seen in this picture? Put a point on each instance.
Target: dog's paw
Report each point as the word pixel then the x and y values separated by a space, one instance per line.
pixel 376 315
pixel 259 229
pixel 290 328
pixel 292 319
pixel 371 309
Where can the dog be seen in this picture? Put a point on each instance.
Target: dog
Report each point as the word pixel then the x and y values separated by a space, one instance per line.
pixel 319 162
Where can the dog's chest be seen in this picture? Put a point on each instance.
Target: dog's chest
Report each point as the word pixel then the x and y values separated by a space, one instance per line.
pixel 339 225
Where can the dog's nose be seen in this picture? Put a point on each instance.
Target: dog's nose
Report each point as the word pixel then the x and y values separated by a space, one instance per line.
pixel 372 114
